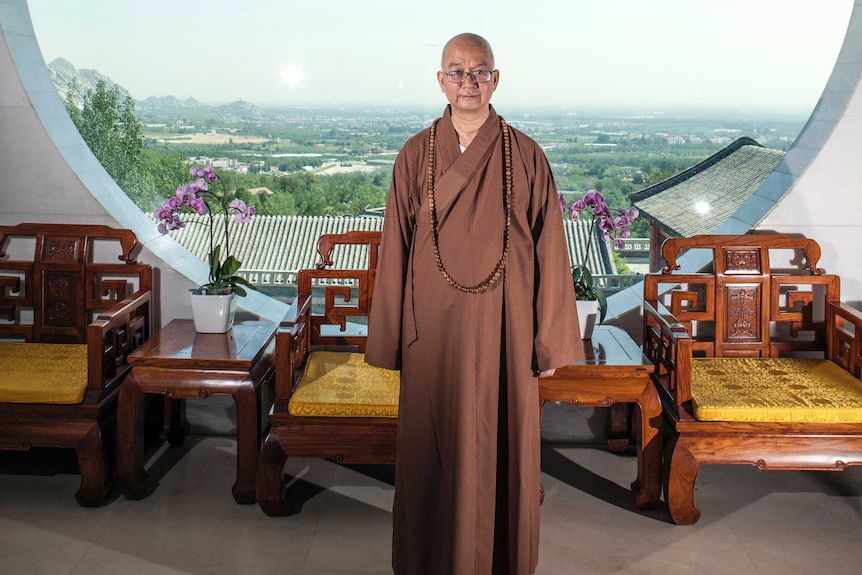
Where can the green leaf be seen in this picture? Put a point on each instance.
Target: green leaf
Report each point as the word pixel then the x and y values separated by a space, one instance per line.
pixel 243 281
pixel 215 258
pixel 603 304
pixel 585 290
pixel 230 266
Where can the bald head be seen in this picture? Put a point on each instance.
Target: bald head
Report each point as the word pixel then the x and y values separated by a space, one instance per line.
pixel 467 40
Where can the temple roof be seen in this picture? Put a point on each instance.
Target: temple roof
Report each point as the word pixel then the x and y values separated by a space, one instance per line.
pixel 288 243
pixel 698 200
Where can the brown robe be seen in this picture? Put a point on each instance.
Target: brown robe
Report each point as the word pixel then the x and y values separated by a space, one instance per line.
pixel 467 478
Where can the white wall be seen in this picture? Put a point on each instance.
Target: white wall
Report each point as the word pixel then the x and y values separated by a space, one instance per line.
pixel 825 203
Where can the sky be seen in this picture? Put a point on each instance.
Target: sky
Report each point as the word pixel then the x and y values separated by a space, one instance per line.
pixel 742 54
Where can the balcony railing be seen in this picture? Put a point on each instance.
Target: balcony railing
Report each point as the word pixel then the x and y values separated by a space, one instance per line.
pixel 611 284
pixel 277 279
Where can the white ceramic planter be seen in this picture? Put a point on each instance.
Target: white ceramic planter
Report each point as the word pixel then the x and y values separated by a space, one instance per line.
pixel 213 313
pixel 588 312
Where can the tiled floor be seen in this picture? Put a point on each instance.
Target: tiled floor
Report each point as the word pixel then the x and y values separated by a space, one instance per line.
pixel 753 522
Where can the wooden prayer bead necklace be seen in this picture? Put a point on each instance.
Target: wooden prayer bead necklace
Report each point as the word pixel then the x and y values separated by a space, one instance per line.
pixel 507 196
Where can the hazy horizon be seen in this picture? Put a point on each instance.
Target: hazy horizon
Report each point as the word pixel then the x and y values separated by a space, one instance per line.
pixel 626 54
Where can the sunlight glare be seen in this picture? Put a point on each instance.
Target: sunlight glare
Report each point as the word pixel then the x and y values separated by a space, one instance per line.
pixel 291 75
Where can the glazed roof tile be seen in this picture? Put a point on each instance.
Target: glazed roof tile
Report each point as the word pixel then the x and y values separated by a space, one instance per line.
pixel 289 243
pixel 719 185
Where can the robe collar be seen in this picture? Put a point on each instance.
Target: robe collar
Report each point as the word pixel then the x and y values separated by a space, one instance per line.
pixel 461 168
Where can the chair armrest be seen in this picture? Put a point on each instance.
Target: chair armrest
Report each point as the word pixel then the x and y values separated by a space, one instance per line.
pixel 845 312
pixel 668 345
pixel 113 335
pixel 844 337
pixel 291 345
pixel 299 307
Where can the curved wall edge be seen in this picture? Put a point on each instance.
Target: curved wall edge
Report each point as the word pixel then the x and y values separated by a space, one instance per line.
pixel 73 185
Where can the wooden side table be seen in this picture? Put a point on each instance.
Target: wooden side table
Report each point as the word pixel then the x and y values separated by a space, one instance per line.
pixel 182 364
pixel 615 372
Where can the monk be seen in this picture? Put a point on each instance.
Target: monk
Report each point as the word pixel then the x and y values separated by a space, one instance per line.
pixel 473 301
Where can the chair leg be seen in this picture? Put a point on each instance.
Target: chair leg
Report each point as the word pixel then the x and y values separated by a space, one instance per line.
pixel 270 477
pixel 648 444
pixel 95 463
pixel 680 475
pixel 175 412
pixel 620 427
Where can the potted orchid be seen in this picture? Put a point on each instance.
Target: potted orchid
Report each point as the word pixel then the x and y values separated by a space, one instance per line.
pixel 614 228
pixel 196 196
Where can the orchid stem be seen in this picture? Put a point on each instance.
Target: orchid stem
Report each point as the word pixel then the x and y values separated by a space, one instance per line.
pixel 589 243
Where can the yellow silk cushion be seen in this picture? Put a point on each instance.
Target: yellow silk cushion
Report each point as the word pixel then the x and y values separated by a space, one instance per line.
pixel 774 389
pixel 43 372
pixel 343 385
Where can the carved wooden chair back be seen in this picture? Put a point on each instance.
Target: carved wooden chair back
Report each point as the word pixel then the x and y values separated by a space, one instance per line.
pixel 341 322
pixel 763 297
pixel 61 286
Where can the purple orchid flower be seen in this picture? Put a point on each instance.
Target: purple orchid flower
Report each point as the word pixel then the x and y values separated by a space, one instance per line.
pixel 198 205
pixel 197 187
pixel 614 228
pixel 242 212
pixel 195 196
pixel 209 173
pixel 601 210
pixel 593 198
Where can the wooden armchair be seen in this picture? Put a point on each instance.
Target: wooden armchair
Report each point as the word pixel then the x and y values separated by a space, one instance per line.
pixel 756 361
pixel 67 324
pixel 328 402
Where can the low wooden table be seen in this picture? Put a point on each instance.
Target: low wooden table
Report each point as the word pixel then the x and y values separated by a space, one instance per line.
pixel 614 373
pixel 182 364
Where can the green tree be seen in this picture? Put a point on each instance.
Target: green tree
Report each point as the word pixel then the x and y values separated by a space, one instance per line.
pixel 160 174
pixel 109 127
pixel 656 175
pixel 115 136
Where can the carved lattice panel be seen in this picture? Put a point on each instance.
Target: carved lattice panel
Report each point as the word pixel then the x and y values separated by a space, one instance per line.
pixel 743 314
pixel 345 300
pixel 692 297
pixel 742 260
pixel 61 304
pixel 798 311
pixel 696 303
pixel 802 298
pixel 110 290
pixel 59 250
pixel 15 291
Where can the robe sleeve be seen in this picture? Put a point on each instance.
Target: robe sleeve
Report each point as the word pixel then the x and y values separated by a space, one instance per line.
pixel 557 340
pixel 383 348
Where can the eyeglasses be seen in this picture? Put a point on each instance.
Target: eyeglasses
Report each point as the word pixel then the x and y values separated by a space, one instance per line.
pixel 458 76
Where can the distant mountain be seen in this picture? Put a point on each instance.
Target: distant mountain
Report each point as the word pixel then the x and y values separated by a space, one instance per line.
pixel 170 103
pixel 63 72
